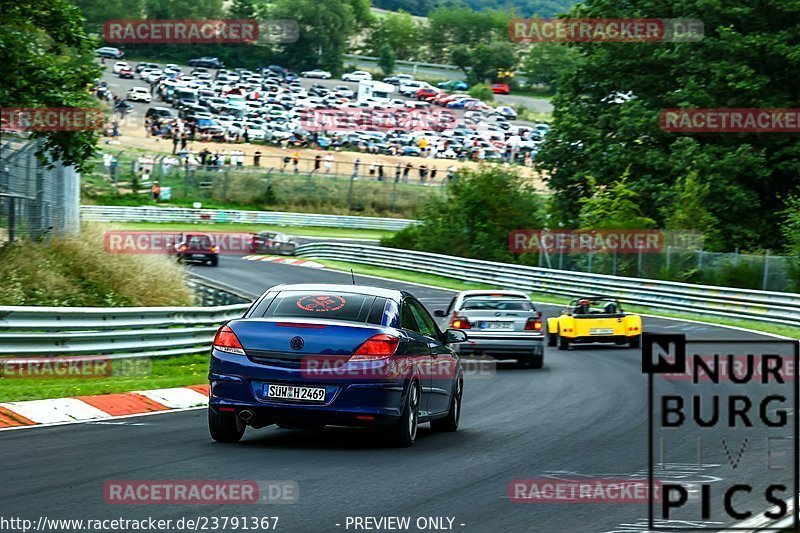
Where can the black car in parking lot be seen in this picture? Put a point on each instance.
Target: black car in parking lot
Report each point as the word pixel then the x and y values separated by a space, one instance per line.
pixel 207 62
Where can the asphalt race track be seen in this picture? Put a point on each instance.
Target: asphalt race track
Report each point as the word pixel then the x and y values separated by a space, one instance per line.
pixel 584 415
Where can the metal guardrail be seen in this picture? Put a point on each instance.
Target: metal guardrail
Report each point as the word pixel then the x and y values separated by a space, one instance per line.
pixel 404 62
pixel 763 306
pixel 122 332
pixel 414 65
pixel 180 214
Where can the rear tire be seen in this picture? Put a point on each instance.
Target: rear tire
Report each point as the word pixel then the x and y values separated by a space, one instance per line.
pixel 536 362
pixel 635 342
pixel 563 343
pixel 450 422
pixel 214 261
pixel 404 432
pixel 225 428
pixel 552 338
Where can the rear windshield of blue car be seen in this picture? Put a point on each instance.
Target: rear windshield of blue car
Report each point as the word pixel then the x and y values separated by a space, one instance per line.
pixel 349 307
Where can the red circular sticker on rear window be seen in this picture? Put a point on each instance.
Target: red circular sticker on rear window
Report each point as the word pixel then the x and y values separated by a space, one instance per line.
pixel 322 303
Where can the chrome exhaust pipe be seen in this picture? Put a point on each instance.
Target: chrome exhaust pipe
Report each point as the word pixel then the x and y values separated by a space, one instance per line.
pixel 246 415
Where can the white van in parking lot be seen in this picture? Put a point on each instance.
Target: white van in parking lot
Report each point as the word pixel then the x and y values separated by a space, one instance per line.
pixel 374 91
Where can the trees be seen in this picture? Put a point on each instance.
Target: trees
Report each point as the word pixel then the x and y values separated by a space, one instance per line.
pixel 607 110
pixel 242 9
pixel 400 32
pixel 488 60
pixel 386 60
pixel 450 28
pixel 324 33
pixel 688 211
pixel 48 61
pixel 183 9
pixel 481 91
pixel 791 225
pixel 614 206
pixel 545 62
pixel 97 13
pixel 482 208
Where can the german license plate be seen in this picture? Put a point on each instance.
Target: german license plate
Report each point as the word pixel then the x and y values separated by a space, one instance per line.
pixel 601 331
pixel 289 392
pixel 496 325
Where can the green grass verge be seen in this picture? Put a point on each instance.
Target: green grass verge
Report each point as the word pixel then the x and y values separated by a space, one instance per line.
pixel 449 283
pixel 309 231
pixel 163 372
pixel 404 275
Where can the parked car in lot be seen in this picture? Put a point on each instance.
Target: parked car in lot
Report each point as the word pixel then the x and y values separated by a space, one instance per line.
pixel 318 90
pixel 343 91
pixel 310 355
pixel 139 94
pixel 426 92
pixel 453 85
pixel 461 103
pixel 120 65
pixel 501 324
pixel 109 52
pixel 159 113
pixel 316 73
pixel 196 247
pixel 357 75
pixel 207 62
pixel 398 79
pixel 505 111
pixel 410 87
pixel 501 88
pixel 145 64
pixel 592 319
pixel 126 74
pixel 272 242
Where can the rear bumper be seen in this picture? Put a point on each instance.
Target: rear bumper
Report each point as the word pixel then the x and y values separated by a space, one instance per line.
pixel 494 343
pixel 197 256
pixel 600 338
pixel 238 383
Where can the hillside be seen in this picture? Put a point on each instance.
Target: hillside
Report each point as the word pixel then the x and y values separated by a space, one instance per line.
pixel 526 8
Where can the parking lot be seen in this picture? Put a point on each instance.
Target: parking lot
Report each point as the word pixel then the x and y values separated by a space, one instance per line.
pixel 275 111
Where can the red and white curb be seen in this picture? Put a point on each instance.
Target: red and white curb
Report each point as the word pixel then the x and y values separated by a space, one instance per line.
pixel 101 407
pixel 284 260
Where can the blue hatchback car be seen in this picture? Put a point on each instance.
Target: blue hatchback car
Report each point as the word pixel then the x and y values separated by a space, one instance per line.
pixel 311 355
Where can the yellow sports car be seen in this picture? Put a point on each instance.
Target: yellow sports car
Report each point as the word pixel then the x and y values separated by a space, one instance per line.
pixel 594 319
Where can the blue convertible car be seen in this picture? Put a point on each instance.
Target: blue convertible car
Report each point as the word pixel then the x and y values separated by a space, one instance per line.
pixel 308 355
